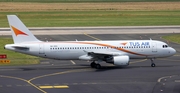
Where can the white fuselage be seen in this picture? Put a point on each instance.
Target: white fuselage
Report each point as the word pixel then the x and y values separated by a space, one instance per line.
pixel 70 50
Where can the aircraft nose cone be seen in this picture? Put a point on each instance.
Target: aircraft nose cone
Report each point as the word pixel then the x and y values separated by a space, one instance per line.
pixel 173 51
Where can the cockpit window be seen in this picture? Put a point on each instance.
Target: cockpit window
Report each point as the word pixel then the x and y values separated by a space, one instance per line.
pixel 165 46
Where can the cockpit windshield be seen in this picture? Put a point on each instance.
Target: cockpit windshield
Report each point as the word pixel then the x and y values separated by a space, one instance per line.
pixel 165 46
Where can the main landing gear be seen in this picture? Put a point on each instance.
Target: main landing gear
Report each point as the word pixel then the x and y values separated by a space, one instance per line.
pixel 152 62
pixel 95 65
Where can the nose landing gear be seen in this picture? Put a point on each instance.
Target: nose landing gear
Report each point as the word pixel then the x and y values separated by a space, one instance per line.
pixel 152 62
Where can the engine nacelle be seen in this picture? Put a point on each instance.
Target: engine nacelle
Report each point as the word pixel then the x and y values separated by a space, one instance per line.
pixel 119 60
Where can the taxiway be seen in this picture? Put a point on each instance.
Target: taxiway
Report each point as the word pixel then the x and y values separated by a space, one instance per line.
pixel 74 76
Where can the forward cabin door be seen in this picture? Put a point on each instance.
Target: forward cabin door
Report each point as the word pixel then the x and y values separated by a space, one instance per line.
pixel 41 48
pixel 154 47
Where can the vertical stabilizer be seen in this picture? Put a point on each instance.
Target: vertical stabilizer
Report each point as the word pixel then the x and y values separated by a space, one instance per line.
pixel 20 32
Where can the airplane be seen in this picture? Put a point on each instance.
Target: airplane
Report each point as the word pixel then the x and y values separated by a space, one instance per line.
pixel 117 52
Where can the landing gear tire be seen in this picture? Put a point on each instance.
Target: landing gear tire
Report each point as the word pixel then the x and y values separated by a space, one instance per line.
pixel 93 65
pixel 153 65
pixel 98 66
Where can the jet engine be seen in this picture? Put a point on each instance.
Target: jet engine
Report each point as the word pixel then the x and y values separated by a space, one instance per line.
pixel 118 60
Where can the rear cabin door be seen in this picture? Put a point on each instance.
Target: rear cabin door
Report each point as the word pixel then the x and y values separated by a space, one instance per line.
pixel 41 48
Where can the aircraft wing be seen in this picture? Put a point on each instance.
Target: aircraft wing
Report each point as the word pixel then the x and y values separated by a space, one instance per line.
pixel 104 53
pixel 96 55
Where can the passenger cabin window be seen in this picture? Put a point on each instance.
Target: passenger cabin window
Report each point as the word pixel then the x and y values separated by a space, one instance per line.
pixel 108 47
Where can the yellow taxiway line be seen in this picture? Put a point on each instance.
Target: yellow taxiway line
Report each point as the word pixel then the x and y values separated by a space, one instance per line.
pixel 63 86
pixel 91 37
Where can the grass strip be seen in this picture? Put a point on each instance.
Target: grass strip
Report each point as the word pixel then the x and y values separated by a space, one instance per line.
pixel 94 18
pixel 55 1
pixel 173 38
pixel 92 14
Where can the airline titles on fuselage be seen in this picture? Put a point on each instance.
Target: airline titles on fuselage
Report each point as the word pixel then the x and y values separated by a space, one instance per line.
pixel 137 44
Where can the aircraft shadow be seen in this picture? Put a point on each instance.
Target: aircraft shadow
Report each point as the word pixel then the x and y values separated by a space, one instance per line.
pixel 83 66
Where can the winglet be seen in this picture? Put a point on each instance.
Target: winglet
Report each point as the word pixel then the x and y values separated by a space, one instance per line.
pixel 20 32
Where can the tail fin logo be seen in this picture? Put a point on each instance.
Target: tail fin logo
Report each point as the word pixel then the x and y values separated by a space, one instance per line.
pixel 18 32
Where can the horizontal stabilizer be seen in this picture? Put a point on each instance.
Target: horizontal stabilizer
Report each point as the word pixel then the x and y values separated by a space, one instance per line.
pixel 14 47
pixel 20 47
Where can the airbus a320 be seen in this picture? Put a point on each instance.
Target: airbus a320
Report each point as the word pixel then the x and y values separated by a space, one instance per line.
pixel 117 52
